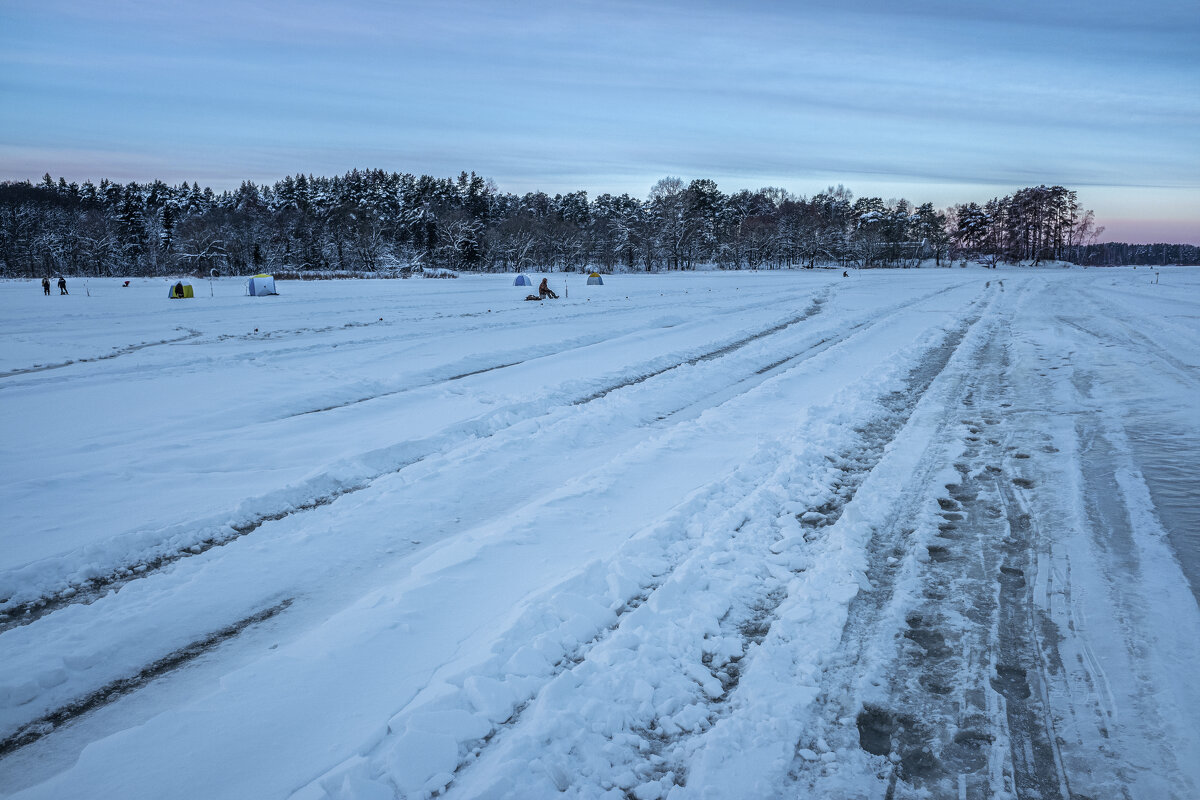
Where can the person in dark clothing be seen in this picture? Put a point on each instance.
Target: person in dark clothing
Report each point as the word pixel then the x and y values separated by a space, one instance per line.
pixel 545 291
pixel 46 286
pixel 845 274
pixel 62 286
pixel 178 290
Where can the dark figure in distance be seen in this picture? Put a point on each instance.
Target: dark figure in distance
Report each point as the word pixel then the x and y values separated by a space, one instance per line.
pixel 845 274
pixel 544 290
pixel 179 289
pixel 46 286
pixel 62 285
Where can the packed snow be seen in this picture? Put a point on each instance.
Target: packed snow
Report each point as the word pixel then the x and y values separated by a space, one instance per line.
pixel 900 534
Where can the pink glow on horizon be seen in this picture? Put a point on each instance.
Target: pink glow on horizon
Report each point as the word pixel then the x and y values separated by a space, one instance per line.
pixel 1144 231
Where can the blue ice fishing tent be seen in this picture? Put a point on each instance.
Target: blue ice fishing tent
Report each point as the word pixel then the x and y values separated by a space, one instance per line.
pixel 595 280
pixel 261 286
pixel 522 280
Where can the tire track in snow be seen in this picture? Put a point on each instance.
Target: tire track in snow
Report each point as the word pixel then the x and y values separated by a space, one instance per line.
pixel 165 664
pixel 117 580
pixel 395 392
pixel 1138 342
pixel 325 501
pixel 208 537
pixel 813 309
pixel 1149 346
pixel 977 701
pixel 567 664
pixel 935 728
pixel 962 706
pixel 852 466
pixel 1135 713
pixel 92 588
pixel 115 690
pixel 474 747
pixel 749 619
pixel 811 351
pixel 942 721
pixel 1021 667
pixel 965 710
pixel 122 351
pixel 492 368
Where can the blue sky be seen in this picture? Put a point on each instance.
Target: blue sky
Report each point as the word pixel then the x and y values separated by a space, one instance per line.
pixel 928 100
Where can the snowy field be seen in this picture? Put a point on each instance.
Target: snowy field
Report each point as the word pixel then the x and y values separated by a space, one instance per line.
pixel 905 534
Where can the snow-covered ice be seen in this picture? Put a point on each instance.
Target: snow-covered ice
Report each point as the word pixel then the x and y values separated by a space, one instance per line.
pixel 908 533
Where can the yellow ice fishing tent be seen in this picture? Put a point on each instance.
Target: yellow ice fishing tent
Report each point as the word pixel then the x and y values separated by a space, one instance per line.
pixel 179 290
pixel 595 280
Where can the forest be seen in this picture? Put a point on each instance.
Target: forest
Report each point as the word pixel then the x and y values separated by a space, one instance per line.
pixel 388 224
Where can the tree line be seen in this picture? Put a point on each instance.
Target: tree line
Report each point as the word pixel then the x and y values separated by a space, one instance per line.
pixel 386 223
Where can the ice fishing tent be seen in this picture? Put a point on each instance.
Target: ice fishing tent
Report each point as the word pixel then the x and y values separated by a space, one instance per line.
pixel 522 280
pixel 595 280
pixel 179 290
pixel 261 285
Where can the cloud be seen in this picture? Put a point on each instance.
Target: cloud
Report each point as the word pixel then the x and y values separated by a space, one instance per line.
pixel 607 94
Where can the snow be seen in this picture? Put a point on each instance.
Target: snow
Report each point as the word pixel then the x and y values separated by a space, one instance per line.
pixel 672 536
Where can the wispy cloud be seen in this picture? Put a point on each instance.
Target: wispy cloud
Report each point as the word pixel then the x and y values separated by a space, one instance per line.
pixel 923 94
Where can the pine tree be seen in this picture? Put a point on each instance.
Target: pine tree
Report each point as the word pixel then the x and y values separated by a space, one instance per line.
pixel 167 237
pixel 133 227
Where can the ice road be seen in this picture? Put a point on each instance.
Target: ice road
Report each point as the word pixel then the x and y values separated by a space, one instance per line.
pixel 921 533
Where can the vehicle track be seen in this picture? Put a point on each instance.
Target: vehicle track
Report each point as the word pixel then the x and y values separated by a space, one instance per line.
pixel 931 729
pixel 28 611
pixel 632 603
pixel 749 619
pixel 86 591
pixel 1021 664
pixel 852 466
pixel 1138 341
pixel 813 308
pixel 965 710
pixel 115 690
pixel 1147 346
pixel 16 615
pixel 117 353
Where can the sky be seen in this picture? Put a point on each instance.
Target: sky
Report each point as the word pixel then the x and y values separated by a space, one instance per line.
pixel 929 100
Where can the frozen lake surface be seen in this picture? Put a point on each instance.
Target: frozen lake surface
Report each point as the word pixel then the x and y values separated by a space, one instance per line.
pixel 903 534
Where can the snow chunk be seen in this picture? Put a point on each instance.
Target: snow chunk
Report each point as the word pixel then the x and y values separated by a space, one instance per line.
pixel 490 697
pixel 456 722
pixel 418 756
pixel 528 661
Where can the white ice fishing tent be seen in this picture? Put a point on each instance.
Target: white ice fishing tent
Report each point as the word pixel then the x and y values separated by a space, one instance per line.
pixel 595 280
pixel 522 280
pixel 261 285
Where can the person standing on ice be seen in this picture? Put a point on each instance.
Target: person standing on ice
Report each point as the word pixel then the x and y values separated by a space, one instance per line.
pixel 62 285
pixel 46 285
pixel 545 291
